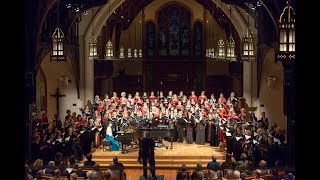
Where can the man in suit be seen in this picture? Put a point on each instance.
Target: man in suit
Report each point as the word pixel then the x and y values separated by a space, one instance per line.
pixel 117 164
pixel 146 153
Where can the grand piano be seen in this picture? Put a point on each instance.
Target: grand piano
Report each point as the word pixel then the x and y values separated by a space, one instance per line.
pixel 138 133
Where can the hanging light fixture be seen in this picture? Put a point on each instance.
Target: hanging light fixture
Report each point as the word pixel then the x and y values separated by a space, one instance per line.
pixel 109 47
pixel 221 50
pixel 286 48
pixel 207 52
pixel 212 53
pixel 230 56
pixel 248 53
pixel 93 48
pixel 211 50
pixel 57 53
pixel 121 56
pixel 129 49
pixel 135 51
pixel 140 50
pixel 129 53
pixel 140 53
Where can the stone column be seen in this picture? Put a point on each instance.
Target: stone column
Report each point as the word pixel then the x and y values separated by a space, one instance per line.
pixel 250 83
pixel 247 83
pixel 88 73
pixel 289 110
pixel 82 69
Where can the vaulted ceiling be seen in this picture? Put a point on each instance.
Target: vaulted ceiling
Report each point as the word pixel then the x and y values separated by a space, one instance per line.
pixel 265 12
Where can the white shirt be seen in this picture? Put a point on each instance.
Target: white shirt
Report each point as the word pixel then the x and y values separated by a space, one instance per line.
pixel 109 131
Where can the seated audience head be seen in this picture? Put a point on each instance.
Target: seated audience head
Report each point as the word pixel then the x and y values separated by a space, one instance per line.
pixel 183 167
pixel 229 174
pixel 62 165
pixel 89 156
pixel 51 164
pixel 73 176
pixel 96 167
pixel 243 156
pixel 236 175
pixel 257 172
pixel 263 164
pixel 199 167
pixel 228 157
pixel 274 172
pixel 72 159
pixel 214 158
pixel 115 159
pixel 37 164
pixel 250 166
pixel 56 173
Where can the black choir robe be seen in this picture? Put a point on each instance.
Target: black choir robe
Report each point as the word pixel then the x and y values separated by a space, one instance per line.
pixel 190 127
pixel 181 124
pixel 214 138
pixel 200 131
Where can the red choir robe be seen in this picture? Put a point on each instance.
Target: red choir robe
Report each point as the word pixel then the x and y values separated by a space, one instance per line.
pixel 152 98
pixel 115 99
pixel 222 100
pixel 179 107
pixel 194 97
pixel 123 100
pixel 174 101
pixel 202 97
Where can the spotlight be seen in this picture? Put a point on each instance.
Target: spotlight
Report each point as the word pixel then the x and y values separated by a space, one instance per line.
pixel 114 12
pixel 77 9
pixel 68 6
pixel 85 12
pixel 122 17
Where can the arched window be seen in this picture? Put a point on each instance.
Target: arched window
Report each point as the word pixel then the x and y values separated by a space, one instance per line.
pixel 197 38
pixel 150 39
pixel 174 31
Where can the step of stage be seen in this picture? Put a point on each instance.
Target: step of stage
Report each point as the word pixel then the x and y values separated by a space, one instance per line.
pixel 182 153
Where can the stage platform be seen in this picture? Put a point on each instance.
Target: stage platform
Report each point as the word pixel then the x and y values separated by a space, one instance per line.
pixel 166 158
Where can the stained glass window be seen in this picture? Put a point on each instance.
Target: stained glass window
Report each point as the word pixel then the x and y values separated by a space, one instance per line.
pixel 174 31
pixel 185 32
pixel 163 33
pixel 197 38
pixel 150 39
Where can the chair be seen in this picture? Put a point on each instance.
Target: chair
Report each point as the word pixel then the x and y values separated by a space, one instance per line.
pixel 104 144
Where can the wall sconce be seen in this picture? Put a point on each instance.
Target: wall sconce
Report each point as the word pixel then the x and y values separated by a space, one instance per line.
pixel 271 81
pixel 63 82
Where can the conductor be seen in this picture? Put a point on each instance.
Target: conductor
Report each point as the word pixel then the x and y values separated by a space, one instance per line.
pixel 146 153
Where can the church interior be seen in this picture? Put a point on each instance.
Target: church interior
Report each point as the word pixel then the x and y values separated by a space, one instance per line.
pixel 95 63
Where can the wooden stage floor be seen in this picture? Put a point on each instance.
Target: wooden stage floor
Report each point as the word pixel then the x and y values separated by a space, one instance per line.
pixel 182 153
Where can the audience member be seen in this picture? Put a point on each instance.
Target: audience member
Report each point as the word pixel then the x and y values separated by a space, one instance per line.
pixel 213 162
pixel 183 174
pixel 89 161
